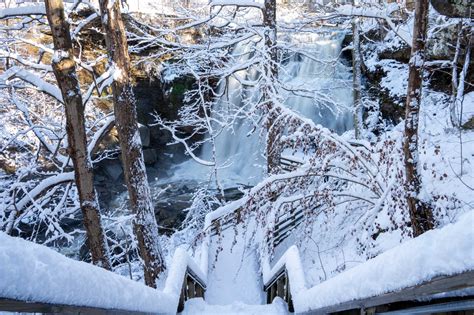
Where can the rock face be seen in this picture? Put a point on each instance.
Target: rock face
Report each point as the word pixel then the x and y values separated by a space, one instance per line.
pixel 150 156
pixel 144 135
pixel 153 97
pixel 164 99
pixel 113 170
pixel 392 51
pixel 453 8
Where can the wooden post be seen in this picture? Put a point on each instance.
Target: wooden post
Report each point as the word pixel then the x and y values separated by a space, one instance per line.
pixel 281 288
pixel 273 292
pixel 199 291
pixel 191 288
pixel 182 297
pixel 291 307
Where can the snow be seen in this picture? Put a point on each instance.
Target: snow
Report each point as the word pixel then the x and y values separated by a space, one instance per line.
pixel 240 3
pixel 430 255
pixel 391 82
pixel 32 272
pixel 44 185
pixel 23 10
pixel 233 266
pixel 291 261
pixel 333 266
pixel 181 261
pixel 33 79
pixel 468 107
pixel 59 55
pixel 403 31
pixel 200 307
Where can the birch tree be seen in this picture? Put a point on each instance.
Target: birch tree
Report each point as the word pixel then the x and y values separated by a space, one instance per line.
pixel 145 225
pixel 420 214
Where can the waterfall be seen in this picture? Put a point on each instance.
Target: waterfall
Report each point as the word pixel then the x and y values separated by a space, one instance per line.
pixel 322 87
pixel 329 82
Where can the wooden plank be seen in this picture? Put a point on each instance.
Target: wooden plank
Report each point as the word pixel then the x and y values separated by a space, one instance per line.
pixel 196 279
pixel 454 306
pixel 273 279
pixel 425 290
pixel 182 297
pixel 11 305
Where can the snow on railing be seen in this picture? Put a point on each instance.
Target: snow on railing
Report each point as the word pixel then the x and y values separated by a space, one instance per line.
pixel 186 279
pixel 438 261
pixel 33 274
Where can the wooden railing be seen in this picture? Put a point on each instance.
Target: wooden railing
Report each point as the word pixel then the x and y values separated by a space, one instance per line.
pixel 279 286
pixel 289 164
pixel 445 285
pixel 17 306
pixel 411 297
pixel 288 270
pixel 186 280
pixel 193 287
pixel 286 223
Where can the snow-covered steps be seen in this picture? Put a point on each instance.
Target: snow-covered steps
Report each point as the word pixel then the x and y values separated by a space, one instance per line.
pixel 235 276
pixel 199 306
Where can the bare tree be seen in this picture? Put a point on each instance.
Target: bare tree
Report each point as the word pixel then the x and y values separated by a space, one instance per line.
pixel 357 76
pixel 64 68
pixel 420 214
pixel 270 75
pixel 145 225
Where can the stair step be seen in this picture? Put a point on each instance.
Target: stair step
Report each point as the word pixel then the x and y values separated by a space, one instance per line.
pixel 199 306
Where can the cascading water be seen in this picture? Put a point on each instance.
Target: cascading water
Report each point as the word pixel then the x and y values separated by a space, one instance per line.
pixel 321 88
pixel 322 83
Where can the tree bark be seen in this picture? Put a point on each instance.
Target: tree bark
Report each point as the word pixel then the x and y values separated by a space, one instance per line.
pixel 420 214
pixel 64 68
pixel 454 79
pixel 271 75
pixel 145 225
pixel 357 78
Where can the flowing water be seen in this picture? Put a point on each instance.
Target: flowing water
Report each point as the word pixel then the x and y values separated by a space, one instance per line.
pixel 321 90
pixel 320 86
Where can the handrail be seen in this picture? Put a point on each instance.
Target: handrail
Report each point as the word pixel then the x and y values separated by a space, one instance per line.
pixel 78 287
pixel 287 281
pixel 377 282
pixel 186 279
pixel 12 305
pixel 289 163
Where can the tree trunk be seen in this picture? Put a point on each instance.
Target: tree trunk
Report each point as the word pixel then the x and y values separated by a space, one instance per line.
pixel 64 68
pixel 145 225
pixel 357 78
pixel 454 79
pixel 271 74
pixel 420 214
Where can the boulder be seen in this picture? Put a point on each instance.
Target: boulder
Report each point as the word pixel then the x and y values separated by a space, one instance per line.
pixel 144 135
pixel 150 156
pixel 114 170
